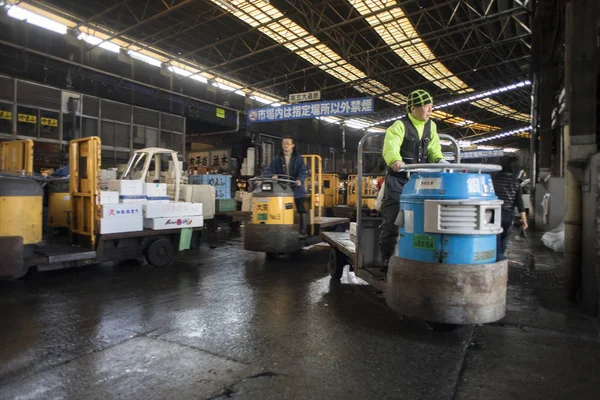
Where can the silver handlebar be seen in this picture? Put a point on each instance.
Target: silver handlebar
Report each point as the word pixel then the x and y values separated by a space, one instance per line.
pixel 462 167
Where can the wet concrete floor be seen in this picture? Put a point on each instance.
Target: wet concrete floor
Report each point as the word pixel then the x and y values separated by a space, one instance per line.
pixel 225 323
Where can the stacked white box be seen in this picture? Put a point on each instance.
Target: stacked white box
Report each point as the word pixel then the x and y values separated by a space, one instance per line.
pixel 127 187
pixel 133 199
pixel 155 189
pixel 121 210
pixel 173 209
pixel 121 225
pixel 173 222
pixel 109 197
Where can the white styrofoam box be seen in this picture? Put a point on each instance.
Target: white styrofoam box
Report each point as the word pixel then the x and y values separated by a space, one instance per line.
pixel 126 187
pixel 353 228
pixel 160 200
pixel 133 199
pixel 250 156
pixel 120 225
pixel 204 194
pixel 173 222
pixel 121 210
pixel 172 209
pixel 109 197
pixel 155 189
pixel 247 203
pixel 108 175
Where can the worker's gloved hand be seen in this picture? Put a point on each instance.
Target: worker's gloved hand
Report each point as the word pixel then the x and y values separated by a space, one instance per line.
pixel 397 165
pixel 442 161
pixel 298 183
pixel 274 177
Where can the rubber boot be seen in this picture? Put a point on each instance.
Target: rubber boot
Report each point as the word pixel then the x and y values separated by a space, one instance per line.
pixel 303 225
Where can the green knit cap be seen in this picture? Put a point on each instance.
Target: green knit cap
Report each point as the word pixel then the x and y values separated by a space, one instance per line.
pixel 418 98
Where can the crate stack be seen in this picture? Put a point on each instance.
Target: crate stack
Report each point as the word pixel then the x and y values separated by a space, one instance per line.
pixel 222 185
pixel 131 206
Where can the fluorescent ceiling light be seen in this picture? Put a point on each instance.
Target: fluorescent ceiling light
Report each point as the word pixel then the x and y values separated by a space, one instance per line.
pixel 394 27
pixel 145 58
pixel 239 92
pixel 25 15
pixel 180 71
pixel 330 120
pixel 199 78
pixel 96 41
pixel 518 132
pixel 223 87
pixel 261 100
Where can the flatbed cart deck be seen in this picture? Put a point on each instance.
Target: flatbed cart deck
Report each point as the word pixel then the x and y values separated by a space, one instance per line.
pixel 343 252
pixel 233 218
pixel 159 247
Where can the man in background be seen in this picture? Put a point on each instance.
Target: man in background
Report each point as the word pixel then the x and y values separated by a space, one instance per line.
pixel 289 162
pixel 508 189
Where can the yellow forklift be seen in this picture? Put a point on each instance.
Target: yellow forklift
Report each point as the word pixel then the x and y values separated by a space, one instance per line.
pixel 275 227
pixel 368 195
pixel 330 195
pixel 21 221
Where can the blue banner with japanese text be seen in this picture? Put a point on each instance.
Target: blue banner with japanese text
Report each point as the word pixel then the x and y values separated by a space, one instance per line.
pixel 363 105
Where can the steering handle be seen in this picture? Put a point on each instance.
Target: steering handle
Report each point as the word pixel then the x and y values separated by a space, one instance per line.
pixel 266 179
pixel 463 167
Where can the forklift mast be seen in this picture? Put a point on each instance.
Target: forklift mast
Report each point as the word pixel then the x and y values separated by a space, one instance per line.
pixel 85 157
pixel 17 156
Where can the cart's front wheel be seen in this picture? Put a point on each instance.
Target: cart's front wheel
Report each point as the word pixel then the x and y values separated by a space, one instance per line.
pixel 160 252
pixel 336 264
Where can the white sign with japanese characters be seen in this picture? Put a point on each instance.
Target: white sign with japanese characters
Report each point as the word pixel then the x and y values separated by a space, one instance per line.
pixel 307 96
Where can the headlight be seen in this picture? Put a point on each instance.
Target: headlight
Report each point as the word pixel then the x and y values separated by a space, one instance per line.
pixel 266 187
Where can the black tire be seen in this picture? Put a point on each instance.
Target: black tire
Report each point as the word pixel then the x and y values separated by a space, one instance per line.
pixel 336 264
pixel 442 327
pixel 235 226
pixel 160 252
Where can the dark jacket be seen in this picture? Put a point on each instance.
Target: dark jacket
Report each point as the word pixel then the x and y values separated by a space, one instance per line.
pixel 298 171
pixel 508 189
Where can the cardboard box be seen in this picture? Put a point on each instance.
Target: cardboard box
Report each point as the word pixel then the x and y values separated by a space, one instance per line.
pixel 172 209
pixel 127 188
pixel 109 197
pixel 120 225
pixel 121 210
pixel 155 189
pixel 197 194
pixel 173 222
pixel 221 183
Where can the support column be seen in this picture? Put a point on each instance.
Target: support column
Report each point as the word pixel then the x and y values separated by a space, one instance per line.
pixel 580 132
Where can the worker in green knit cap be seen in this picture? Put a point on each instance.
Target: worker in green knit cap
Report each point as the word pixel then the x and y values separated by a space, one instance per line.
pixel 410 140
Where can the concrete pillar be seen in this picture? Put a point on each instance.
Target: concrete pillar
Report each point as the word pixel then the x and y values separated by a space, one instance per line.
pixel 581 71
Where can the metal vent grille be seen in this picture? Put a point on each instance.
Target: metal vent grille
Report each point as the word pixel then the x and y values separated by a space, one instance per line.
pixel 145 117
pixel 116 111
pixel 6 88
pixel 90 106
pixel 37 95
pixel 171 123
pixel 458 217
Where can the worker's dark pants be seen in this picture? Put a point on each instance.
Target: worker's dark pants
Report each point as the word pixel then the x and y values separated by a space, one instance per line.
pixel 501 239
pixel 390 206
pixel 301 209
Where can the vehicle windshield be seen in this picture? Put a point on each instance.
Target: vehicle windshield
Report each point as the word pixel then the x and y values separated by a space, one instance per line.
pixel 136 166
